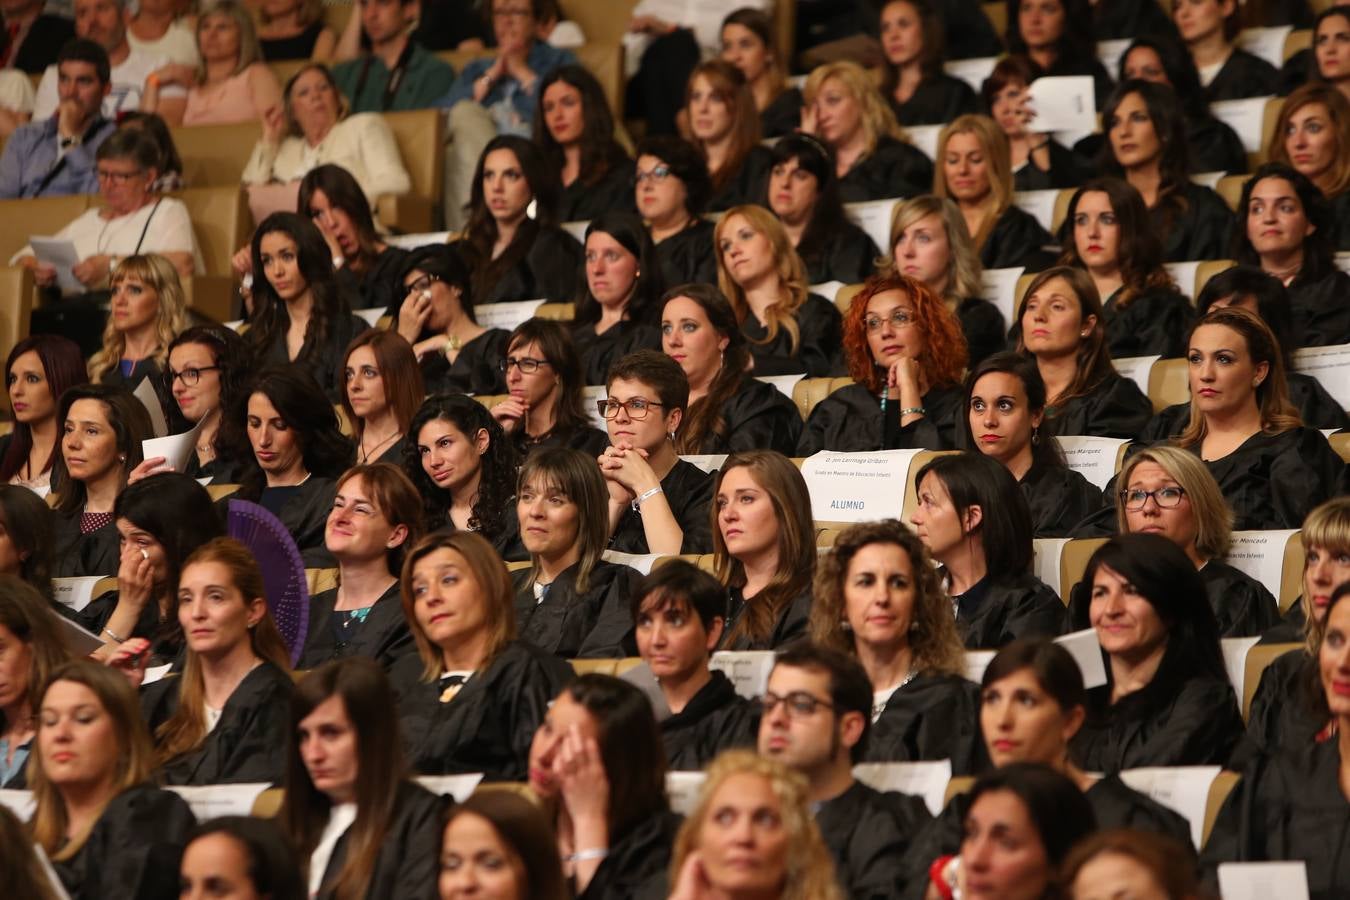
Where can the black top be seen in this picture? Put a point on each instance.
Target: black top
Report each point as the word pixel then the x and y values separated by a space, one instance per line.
pixel 408 865
pixel 142 369
pixel 820 345
pixel 243 746
pixel 1000 609
pixel 791 624
pixel 1016 239
pixel 868 834
pixel 757 417
pixel 79 555
pixel 850 421
pixel 1283 712
pixel 132 851
pixel 969 33
pixel 1275 480
pixel 1243 75
pixel 600 351
pixel 715 719
pixel 477 367
pixel 688 490
pixel 937 100
pixel 747 184
pixel 1213 146
pixel 1316 408
pixel 1059 498
pixel 638 864
pixel 45 38
pixel 688 256
pixel 1068 169
pixel 582 202
pixel 589 440
pixel 1153 323
pixel 1340 214
pixel 1130 19
pixel 1241 604
pixel 893 169
pixel 322 360
pixel 488 726
pixel 549 270
pixel 299 47
pixel 164 634
pixel 382 635
pixel 983 327
pixel 1114 408
pixel 381 284
pixel 1201 231
pixel 1321 315
pixel 578 624
pixel 933 717
pixel 846 255
pixel 304 510
pixel 783 115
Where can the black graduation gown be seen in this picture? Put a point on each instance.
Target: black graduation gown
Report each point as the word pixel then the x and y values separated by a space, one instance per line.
pixel 1340 214
pixel 1087 64
pixel 1316 407
pixel 1199 725
pixel 846 255
pixel 1059 498
pixel 820 345
pixel 688 256
pixel 304 510
pixel 1001 609
pixel 78 554
pixel 477 368
pixel 1068 169
pixel 408 865
pixel 591 441
pixel 783 115
pixel 638 864
pixel 1201 231
pixel 574 624
pixel 933 717
pixel 1243 75
pixel 1153 323
pixel 322 361
pixel 381 284
pixel 245 744
pixel 969 33
pixel 983 327
pixel 582 202
pixel 868 834
pixel 1212 145
pixel 549 270
pixel 792 622
pixel 217 471
pixel 1017 239
pixel 600 351
pixel 488 726
pixel 849 421
pixel 1320 311
pixel 688 490
pixel 1283 713
pixel 757 417
pixel 893 169
pixel 1275 480
pixel 96 614
pixel 715 719
pixel 748 182
pixel 1114 408
pixel 132 851
pixel 1242 605
pixel 937 100
pixel 1120 19
pixel 1288 805
pixel 384 635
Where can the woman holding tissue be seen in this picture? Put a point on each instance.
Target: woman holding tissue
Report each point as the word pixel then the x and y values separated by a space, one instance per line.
pixel 38 371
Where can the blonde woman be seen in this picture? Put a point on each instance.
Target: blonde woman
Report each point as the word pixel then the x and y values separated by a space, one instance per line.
pixel 930 243
pixel 1312 135
pixel 974 170
pixel 97 814
pixel 790 331
pixel 752 834
pixel 873 158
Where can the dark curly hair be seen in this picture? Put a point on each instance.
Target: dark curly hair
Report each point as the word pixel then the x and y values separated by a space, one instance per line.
pixel 944 353
pixel 497 485
pixel 685 163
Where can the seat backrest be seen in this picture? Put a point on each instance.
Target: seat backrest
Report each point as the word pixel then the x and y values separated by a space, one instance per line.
pixel 221 221
pixel 843 298
pixel 221 491
pixel 810 391
pixel 1073 562
pixel 1291 576
pixel 1258 657
pixel 16 286
pixel 1269 120
pixel 594 666
pixel 601 22
pixel 1219 790
pixel 321 580
pixel 267 804
pixel 38 216
pixel 1297 41
pixel 420 134
pixel 604 59
pixel 1208 269
pixel 559 312
pixel 997 14
pixel 1169 383
pixel 1230 189
pixel 1341 444
pixel 215 155
pixel 490 400
pixel 1062 208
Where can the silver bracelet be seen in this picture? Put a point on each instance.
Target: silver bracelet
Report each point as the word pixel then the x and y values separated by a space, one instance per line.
pixel 114 635
pixel 913 411
pixel 591 853
pixel 637 501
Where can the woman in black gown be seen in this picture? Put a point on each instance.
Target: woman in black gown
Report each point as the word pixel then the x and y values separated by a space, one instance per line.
pixel 574 126
pixel 905 352
pixel 878 596
pixel 513 256
pixel 1058 37
pixel 722 122
pixel 919 92
pixel 729 409
pixel 1038 161
pixel 209 367
pixel 1005 419
pixel 382 390
pixel 617 312
pixel 546 406
pixel 38 370
pixel 369 271
pixel 749 42
pixel 673 189
pixel 1312 136
pixel 1210 28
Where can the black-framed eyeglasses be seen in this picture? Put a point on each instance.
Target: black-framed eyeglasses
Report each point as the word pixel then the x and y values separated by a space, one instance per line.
pixel 656 173
pixel 421 284
pixel 118 177
pixel 899 318
pixel 527 365
pixel 636 408
pixel 190 375
pixel 1166 497
pixel 800 704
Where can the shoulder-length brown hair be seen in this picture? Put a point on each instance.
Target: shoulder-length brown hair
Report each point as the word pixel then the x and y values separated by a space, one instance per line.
pixel 526 833
pixel 944 353
pixel 489 570
pixel 133 754
pixel 361 686
pixel 1278 413
pixel 130 424
pixel 1140 254
pixel 963 265
pixel 1093 356
pixel 703 419
pixel 399 371
pixel 31 620
pixel 997 157
pixel 185 730
pixel 934 641
pixel 574 475
pixel 1338 111
pixel 786 489
pixel 792 286
pixel 730 87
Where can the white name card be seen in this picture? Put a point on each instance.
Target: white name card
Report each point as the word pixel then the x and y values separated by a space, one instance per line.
pixel 1137 368
pixel 212 801
pixel 1343 261
pixel 75 592
pixel 21 803
pixel 1093 457
pixel 1247 117
pixel 413 241
pixel 928 780
pixel 682 790
pixel 1040 204
pixel 506 315
pixel 1063 103
pixel 785 383
pixel 708 462
pixel 1267 43
pixel 1110 52
pixel 577 230
pixel 371 315
pixel 1082 646
pixel 1235 661
pixel 1046 555
pixel 1330 366
pixel 593 393
pixel 145 392
pixel 999 287
pixel 748 670
pixel 1208 179
pixel 1263 880
pixel 827 289
pixel 1183 273
pixel 972 71
pixel 873 217
pixel 1260 554
pixel 857 487
pixel 234 324
pixel 1182 789
pixel 976 662
pixel 925 137
pixel 643 562
pixel 457 786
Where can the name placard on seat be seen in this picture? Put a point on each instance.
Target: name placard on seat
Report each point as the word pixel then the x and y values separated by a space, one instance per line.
pixel 1183 789
pixel 1260 554
pixel 708 462
pixel 21 803
pixel 75 592
pixel 1247 117
pixel 858 487
pixel 1260 880
pixel 210 801
pixel 1093 457
pixel 1039 204
pixel 999 287
pixel 1330 366
pixel 682 790
pixel 873 217
pixel 456 786
pixel 748 670
pixel 1235 661
pixel 926 779
pixel 784 383
pixel 506 316
pixel 1137 368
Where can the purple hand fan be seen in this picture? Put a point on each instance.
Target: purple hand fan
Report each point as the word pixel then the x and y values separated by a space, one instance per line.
pixel 283 570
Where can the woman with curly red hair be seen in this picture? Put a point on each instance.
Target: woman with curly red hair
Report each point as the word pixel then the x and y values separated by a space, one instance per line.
pixel 905 352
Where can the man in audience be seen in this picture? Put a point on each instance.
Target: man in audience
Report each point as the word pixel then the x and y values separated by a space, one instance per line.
pixel 817 711
pixel 395 73
pixel 55 155
pixel 35 37
pixel 104 23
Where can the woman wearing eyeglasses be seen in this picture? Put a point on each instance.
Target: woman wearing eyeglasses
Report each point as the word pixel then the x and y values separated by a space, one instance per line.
pixel 208 365
pixel 673 189
pixel 547 404
pixel 658 503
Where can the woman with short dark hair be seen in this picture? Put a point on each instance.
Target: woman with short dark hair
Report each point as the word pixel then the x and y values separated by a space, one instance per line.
pixel 673 188
pixel 618 310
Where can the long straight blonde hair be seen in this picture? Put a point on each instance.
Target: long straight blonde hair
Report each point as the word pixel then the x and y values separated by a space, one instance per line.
pixel 157 274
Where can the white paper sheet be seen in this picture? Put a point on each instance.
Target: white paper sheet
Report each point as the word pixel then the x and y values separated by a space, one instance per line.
pixel 1087 652
pixel 748 669
pixel 708 462
pixel 1260 554
pixel 1039 204
pixel 925 137
pixel 1182 789
pixel 972 71
pixel 928 779
pixel 234 324
pixel 21 803
pixel 75 593
pixel 411 241
pixel 784 383
pixel 1235 661
pixel 177 449
pixel 212 801
pixel 506 316
pixel 61 255
pixel 155 673
pixel 457 786
pixel 641 561
pixel 1093 457
pixel 1208 179
pixel 577 229
pixel 1263 880
pixel 1267 43
pixel 1330 366
pixel 593 393
pixel 1046 555
pixel 857 487
pixel 1136 368
pixel 976 662
pixel 873 217
pixel 371 315
pixel 682 790
pixel 1063 103
pixel 1247 117
pixel 1110 52
pixel 1183 273
pixel 999 287
pixel 827 289
pixel 1343 261
pixel 145 392
pixel 58 888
